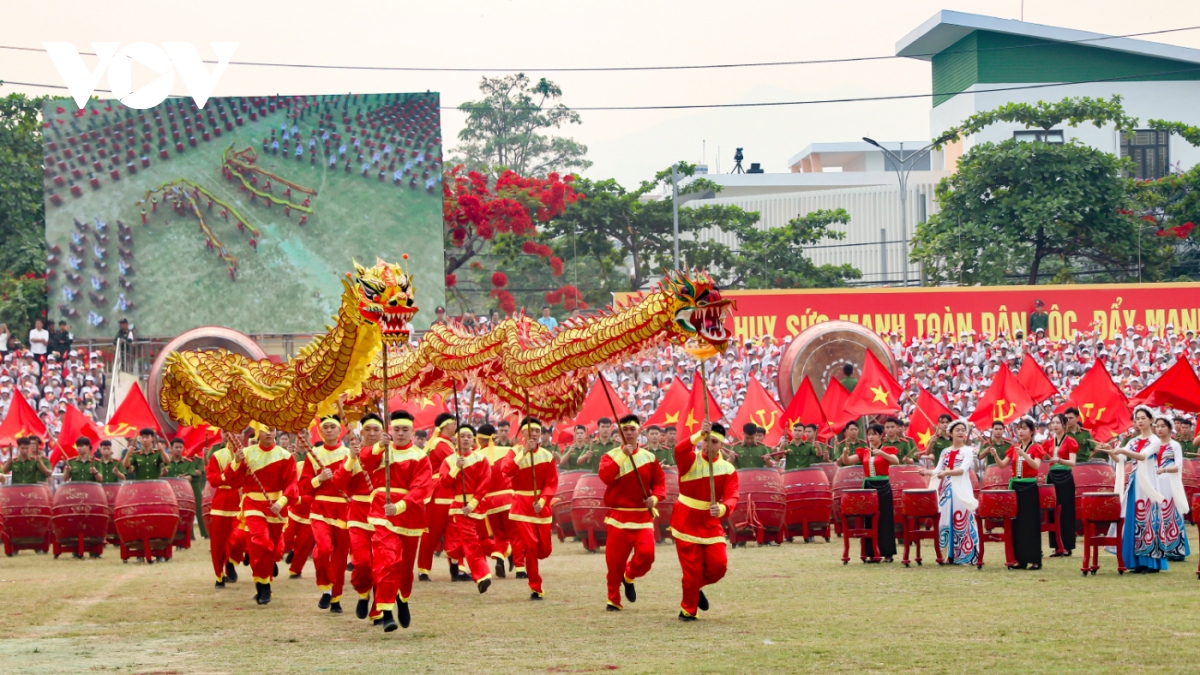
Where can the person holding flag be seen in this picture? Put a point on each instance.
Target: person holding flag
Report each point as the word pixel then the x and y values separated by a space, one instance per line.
pixel 876 459
pixel 635 484
pixel 1025 457
pixel 708 491
pixel 328 512
pixel 533 474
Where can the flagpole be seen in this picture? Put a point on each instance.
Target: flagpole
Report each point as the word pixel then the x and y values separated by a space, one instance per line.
pixel 712 481
pixel 604 385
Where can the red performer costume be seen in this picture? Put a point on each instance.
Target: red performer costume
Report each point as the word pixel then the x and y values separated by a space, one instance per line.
pixel 355 482
pixel 496 533
pixel 533 474
pixel 466 474
pixel 635 483
pixel 267 475
pixel 329 510
pixel 404 470
pixel 224 514
pixel 696 519
pixel 297 535
pixel 440 446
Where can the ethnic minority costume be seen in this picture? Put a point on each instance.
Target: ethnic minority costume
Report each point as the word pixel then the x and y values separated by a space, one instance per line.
pixel 468 486
pixel 534 480
pixel 267 476
pixel 437 512
pixel 355 482
pixel 497 535
pixel 297 535
pixel 395 541
pixel 1141 544
pixel 224 513
pixel 958 533
pixel 699 536
pixel 328 515
pixel 629 540
pixel 875 477
pixel 1027 526
pixel 1063 480
pixel 1173 536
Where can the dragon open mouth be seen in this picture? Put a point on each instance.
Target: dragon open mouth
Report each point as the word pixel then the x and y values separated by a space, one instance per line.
pixel 710 322
pixel 393 323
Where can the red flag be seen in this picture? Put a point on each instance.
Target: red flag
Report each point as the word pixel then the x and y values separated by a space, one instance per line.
pixel 693 414
pixel 596 405
pixel 1004 401
pixel 672 405
pixel 1178 388
pixel 923 424
pixel 132 415
pixel 21 421
pixel 833 403
pixel 74 425
pixel 424 410
pixel 876 392
pixel 1103 409
pixel 1033 378
pixel 758 407
pixel 805 408
pixel 564 434
pixel 197 439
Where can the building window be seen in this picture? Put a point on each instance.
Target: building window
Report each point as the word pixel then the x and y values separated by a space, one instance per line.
pixel 1150 152
pixel 1052 136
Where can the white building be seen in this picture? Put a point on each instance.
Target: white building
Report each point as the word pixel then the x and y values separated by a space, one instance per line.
pixel 977 63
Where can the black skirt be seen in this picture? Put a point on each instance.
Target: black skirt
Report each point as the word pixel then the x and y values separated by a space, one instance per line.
pixel 887 518
pixel 1027 526
pixel 1064 492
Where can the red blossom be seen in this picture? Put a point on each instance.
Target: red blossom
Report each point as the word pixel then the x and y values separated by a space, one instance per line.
pixel 499 279
pixel 556 266
pixel 451 280
pixel 529 246
pixel 1149 218
pixel 1160 233
pixel 553 297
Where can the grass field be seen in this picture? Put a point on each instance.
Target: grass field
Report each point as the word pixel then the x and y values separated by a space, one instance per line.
pixel 789 609
pixel 290 284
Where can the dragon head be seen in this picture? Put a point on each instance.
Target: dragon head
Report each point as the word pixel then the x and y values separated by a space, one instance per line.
pixel 699 309
pixel 385 298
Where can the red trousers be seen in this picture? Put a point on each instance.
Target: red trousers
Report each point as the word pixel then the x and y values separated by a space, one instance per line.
pixel 504 536
pixel 360 555
pixel 462 543
pixel 436 519
pixel 392 556
pixel 264 542
pixel 629 555
pixel 300 542
pixel 332 548
pixel 535 543
pixel 220 535
pixel 702 564
pixel 239 539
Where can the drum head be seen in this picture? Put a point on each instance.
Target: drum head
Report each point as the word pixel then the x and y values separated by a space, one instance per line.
pixel 205 338
pixel 820 351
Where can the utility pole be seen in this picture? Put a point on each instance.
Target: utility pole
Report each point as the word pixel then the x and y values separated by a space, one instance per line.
pixel 675 207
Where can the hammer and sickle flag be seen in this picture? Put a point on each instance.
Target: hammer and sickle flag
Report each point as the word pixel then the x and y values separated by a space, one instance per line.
pixel 1004 401
pixel 759 408
pixel 20 421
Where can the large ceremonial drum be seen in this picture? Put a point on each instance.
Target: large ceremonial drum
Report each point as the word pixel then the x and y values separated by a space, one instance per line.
pixel 1091 477
pixel 667 506
pixel 919 503
pixel 147 516
pixel 904 477
pixel 186 498
pixel 79 516
pixel 1047 498
pixel 762 504
pixel 206 500
pixel 588 510
pixel 997 504
pixel 560 506
pixel 859 502
pixel 820 351
pixel 26 513
pixel 110 493
pixel 830 469
pixel 1100 506
pixel 846 478
pixel 809 499
pixel 975 486
pixel 996 478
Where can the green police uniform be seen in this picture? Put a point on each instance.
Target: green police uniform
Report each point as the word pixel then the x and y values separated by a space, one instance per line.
pixel 598 450
pixel 178 469
pixel 905 448
pixel 1188 447
pixel 801 455
pixel 1000 446
pixel 664 455
pixel 1087 444
pixel 849 383
pixel 26 471
pixel 198 481
pixel 108 470
pixel 147 466
pixel 939 444
pixel 751 456
pixel 81 470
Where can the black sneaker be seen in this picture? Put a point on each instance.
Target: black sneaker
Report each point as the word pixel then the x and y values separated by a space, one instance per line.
pixel 686 617
pixel 231 573
pixel 246 559
pixel 220 584
pixel 424 577
pixel 377 622
pixel 294 575
pixel 335 607
pixel 630 591
pixel 483 585
pixel 454 576
pixel 363 606
pixel 264 596
pixel 500 567
pixel 403 614
pixel 288 558
pixel 389 624
pixel 522 575
pixel 510 563
pixel 535 596
pixel 274 570
pixel 611 608
pixel 95 556
pixel 350 567
pixel 463 576
pixel 703 604
pixel 326 599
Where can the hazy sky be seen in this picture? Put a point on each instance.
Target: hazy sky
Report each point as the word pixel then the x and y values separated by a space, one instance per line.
pixel 534 34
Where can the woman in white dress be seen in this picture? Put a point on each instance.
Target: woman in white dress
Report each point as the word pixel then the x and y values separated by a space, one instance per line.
pixel 1169 481
pixel 1141 545
pixel 958 534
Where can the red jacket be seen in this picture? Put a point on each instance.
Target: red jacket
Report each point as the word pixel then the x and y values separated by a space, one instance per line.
pixel 267 477
pixel 626 496
pixel 329 504
pixel 499 493
pixel 411 485
pixel 227 497
pixel 438 450
pixel 472 481
pixel 355 482
pixel 690 519
pixel 531 481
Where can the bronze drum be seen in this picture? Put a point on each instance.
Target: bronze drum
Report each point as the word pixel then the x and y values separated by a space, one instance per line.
pixel 819 352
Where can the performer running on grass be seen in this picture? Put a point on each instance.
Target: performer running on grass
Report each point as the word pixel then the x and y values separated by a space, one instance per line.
pixel 224 514
pixel 329 507
pixel 635 483
pixel 708 490
pixel 297 533
pixel 533 474
pixel 350 478
pixel 466 474
pixel 267 475
pixel 496 532
pixel 958 535
pixel 400 523
pixel 439 447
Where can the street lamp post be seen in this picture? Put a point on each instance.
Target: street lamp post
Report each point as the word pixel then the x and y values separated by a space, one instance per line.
pixel 675 207
pixel 904 166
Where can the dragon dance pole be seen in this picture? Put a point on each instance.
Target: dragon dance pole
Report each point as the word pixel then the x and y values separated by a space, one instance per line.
pixel 457 422
pixel 387 456
pixel 712 482
pixel 621 434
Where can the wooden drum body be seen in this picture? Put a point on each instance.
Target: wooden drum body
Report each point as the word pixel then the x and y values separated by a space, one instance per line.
pixel 761 511
pixel 79 518
pixel 997 504
pixel 186 498
pixel 560 507
pixel 846 478
pixel 919 503
pixel 996 478
pixel 110 493
pixel 588 511
pixel 147 517
pixel 809 501
pixel 1100 507
pixel 26 513
pixel 860 502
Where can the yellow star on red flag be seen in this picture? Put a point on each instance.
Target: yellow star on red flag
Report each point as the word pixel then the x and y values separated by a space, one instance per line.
pixel 881 394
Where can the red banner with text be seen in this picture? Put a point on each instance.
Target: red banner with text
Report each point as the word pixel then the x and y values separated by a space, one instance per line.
pixel 921 312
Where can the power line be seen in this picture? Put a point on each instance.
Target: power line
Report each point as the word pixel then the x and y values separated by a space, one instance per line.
pixel 766 104
pixel 712 66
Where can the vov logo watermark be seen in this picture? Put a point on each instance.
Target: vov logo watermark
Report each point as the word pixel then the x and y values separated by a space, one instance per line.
pixel 165 61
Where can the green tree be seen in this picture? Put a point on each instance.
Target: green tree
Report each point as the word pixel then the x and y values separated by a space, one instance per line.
pixel 774 257
pixel 507 129
pixel 22 213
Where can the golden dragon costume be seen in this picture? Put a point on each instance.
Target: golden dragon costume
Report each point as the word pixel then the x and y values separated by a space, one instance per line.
pixel 228 390
pixel 522 366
